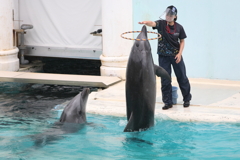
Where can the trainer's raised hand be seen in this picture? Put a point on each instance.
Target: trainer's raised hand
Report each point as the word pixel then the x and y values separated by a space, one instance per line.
pixel 148 23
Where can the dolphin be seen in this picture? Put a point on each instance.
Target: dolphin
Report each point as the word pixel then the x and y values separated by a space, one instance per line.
pixel 72 120
pixel 75 111
pixel 141 85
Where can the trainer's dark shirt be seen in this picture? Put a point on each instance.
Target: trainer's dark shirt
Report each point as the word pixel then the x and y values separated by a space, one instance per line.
pixel 168 44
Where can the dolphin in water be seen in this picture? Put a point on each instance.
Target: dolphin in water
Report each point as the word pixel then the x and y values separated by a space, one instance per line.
pixel 141 85
pixel 75 111
pixel 72 120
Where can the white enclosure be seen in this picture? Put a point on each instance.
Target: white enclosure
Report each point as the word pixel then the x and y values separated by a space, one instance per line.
pixel 61 28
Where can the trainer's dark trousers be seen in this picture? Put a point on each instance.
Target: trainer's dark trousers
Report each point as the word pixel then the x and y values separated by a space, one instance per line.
pixel 180 72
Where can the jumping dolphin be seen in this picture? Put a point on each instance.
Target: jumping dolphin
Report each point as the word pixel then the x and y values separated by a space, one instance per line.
pixel 141 85
pixel 72 120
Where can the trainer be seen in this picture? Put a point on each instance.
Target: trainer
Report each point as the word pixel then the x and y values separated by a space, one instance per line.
pixel 170 49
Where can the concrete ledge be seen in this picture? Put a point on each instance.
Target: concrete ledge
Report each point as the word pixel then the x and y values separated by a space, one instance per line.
pixel 60 79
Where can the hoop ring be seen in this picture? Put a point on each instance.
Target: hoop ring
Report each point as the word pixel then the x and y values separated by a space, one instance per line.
pixel 159 35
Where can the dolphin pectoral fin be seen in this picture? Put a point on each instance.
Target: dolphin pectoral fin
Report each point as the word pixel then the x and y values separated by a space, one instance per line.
pixel 161 72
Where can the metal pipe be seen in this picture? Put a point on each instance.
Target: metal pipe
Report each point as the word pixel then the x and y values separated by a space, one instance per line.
pixel 22 47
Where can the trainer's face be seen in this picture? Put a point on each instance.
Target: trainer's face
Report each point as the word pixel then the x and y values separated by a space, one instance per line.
pixel 170 18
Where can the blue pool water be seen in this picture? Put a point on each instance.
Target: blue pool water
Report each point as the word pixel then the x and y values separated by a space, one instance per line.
pixel 26 114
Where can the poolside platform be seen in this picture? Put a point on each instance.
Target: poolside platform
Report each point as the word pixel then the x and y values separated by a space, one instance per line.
pixel 59 79
pixel 212 101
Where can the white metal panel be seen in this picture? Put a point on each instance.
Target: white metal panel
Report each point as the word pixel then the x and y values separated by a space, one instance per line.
pixel 62 24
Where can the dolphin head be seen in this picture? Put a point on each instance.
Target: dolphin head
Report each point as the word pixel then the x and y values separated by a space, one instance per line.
pixel 75 111
pixel 143 44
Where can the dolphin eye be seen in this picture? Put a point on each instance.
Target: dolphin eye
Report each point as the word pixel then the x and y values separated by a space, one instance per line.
pixel 80 112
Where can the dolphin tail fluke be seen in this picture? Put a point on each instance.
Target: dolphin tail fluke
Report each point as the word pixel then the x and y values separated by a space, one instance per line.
pixel 127 129
pixel 161 72
pixel 129 126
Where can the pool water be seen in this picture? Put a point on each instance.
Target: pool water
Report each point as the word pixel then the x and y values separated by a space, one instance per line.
pixel 26 114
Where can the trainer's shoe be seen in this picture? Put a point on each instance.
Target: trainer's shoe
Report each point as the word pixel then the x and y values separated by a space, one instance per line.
pixel 166 106
pixel 186 104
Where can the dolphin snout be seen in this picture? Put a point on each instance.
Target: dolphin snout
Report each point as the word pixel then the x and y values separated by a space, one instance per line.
pixel 85 93
pixel 88 90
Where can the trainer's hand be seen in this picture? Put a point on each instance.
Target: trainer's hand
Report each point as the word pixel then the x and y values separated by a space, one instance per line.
pixel 142 22
pixel 148 23
pixel 178 57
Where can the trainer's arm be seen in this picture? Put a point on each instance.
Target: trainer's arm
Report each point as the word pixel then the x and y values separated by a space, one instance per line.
pixel 182 44
pixel 148 23
pixel 178 57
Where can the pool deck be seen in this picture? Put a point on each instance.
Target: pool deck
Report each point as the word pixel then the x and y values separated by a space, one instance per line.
pixel 212 101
